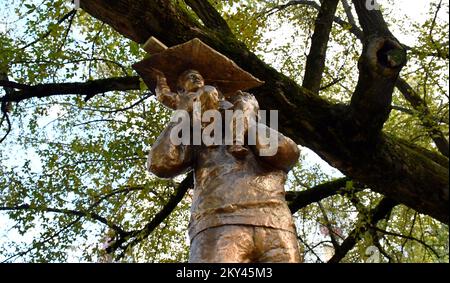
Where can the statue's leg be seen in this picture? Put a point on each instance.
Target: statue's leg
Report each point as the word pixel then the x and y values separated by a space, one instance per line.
pixel 277 246
pixel 224 244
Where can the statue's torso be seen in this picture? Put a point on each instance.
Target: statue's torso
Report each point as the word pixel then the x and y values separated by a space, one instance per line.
pixel 237 191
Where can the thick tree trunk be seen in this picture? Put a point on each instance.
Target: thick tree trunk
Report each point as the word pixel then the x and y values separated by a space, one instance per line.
pixel 409 175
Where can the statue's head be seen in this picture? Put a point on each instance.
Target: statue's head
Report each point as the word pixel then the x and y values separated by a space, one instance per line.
pixel 190 81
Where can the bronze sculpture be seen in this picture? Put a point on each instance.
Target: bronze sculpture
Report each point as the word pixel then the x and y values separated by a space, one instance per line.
pixel 239 213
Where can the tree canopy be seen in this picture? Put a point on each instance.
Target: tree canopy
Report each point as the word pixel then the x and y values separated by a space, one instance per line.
pixel 365 89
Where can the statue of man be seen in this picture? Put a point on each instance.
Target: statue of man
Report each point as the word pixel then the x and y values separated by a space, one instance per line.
pixel 238 213
pixel 192 88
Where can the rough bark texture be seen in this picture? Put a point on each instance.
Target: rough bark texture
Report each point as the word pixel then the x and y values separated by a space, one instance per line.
pixel 338 133
pixel 315 64
pixel 419 105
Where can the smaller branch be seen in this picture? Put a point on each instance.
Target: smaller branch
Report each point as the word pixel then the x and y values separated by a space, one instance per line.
pixel 349 13
pixel 5 106
pixel 403 110
pixel 98 121
pixel 60 21
pixel 8 129
pixel 334 82
pixel 209 15
pixel 310 249
pixel 410 231
pixel 90 60
pixel 292 3
pixel 145 97
pixel 376 243
pixel 408 238
pixel 63 42
pixel 139 235
pixel 328 225
pixel 89 88
pixel 417 51
pixel 67 212
pixel 94 41
pixel 80 216
pixel 299 200
pixel 125 191
pixel 433 25
pixel 353 28
pixel 380 212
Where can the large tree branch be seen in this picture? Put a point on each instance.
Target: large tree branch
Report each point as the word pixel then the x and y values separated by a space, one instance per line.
pixel 315 63
pixel 89 88
pixel 138 20
pixel 329 226
pixel 380 64
pixel 5 107
pixel 209 15
pixel 416 101
pixel 300 200
pixel 410 95
pixel 374 26
pixel 410 238
pixel 319 124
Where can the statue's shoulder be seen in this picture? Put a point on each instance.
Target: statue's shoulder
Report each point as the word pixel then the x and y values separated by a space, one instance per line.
pixel 209 89
pixel 243 93
pixel 243 97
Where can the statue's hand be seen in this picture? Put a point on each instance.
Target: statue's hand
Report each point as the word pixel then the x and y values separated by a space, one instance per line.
pixel 249 106
pixel 161 84
pixel 209 98
pixel 163 92
pixel 245 102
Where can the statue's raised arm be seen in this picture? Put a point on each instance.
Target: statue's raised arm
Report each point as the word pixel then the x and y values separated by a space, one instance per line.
pixel 164 94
